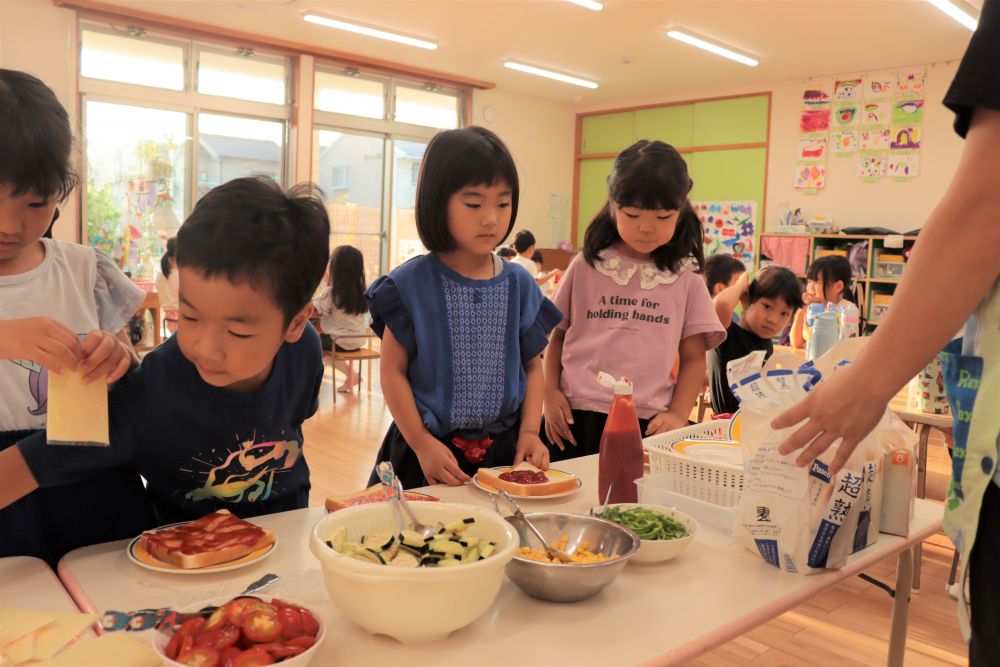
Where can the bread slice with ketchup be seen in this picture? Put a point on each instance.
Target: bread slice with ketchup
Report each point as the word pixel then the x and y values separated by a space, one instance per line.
pixel 214 538
pixel 550 482
pixel 373 494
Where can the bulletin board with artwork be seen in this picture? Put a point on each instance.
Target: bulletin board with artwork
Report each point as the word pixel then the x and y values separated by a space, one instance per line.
pixel 875 119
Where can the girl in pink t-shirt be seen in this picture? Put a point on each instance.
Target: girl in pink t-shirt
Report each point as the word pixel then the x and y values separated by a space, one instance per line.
pixel 629 303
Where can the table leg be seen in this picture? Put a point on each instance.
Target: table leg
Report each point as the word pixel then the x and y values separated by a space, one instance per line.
pixel 900 609
pixel 924 432
pixel 155 312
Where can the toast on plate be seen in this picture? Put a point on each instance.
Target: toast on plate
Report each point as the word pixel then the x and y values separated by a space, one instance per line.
pixel 373 494
pixel 214 538
pixel 527 480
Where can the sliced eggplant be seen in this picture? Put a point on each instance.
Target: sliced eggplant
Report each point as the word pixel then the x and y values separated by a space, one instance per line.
pixel 378 540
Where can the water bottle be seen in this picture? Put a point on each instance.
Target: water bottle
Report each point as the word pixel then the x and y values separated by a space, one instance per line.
pixel 849 320
pixel 811 312
pixel 825 333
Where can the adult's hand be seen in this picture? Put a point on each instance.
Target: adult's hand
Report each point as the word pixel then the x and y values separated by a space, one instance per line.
pixel 841 407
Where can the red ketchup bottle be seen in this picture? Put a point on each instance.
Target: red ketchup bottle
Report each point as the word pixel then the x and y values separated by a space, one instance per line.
pixel 620 459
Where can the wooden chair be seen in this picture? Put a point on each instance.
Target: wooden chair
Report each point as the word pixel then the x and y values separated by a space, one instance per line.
pixel 368 353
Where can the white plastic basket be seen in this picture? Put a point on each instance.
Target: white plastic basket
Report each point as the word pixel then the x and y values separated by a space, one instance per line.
pixel 713 506
pixel 662 459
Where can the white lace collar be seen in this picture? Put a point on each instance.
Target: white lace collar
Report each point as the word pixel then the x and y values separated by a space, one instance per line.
pixel 621 270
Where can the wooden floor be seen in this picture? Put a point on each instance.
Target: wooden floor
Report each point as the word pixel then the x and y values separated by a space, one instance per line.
pixel 846 626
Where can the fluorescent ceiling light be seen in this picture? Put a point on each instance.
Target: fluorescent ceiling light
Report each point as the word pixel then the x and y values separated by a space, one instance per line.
pixel 589 4
pixel 369 32
pixel 688 38
pixel 955 13
pixel 549 74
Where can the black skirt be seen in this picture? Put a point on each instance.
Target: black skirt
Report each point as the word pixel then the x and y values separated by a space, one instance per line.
pixel 587 428
pixel 407 466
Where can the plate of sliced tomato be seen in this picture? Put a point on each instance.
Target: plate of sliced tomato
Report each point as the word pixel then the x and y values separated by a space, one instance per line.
pixel 244 631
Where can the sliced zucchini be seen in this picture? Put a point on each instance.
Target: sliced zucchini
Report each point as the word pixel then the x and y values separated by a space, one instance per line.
pixel 378 540
pixel 458 526
pixel 339 537
pixel 405 559
pixel 486 548
pixel 448 562
pixel 412 539
pixel 447 547
pixel 469 541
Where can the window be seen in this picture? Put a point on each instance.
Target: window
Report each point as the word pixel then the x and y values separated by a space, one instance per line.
pixel 405 241
pixel 231 147
pixel 338 176
pixel 424 107
pixel 166 120
pixel 131 58
pixel 243 76
pixel 350 95
pixel 136 165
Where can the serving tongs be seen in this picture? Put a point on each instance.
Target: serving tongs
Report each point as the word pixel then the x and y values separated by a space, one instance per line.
pixel 520 520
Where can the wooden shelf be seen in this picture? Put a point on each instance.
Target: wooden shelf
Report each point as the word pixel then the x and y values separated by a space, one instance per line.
pixel 890 281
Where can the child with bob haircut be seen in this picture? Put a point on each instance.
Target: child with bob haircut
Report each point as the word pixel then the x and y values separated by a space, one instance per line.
pixel 213 417
pixel 768 304
pixel 63 307
pixel 343 310
pixel 630 302
pixel 461 329
pixel 828 280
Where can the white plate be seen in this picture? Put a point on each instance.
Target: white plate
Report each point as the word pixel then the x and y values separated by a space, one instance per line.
pixel 489 489
pixel 720 453
pixel 144 559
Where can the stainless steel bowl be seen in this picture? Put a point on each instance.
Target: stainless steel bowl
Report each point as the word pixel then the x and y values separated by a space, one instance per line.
pixel 571 582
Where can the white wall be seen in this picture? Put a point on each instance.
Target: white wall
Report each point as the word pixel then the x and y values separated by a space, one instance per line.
pixel 850 202
pixel 39 38
pixel 539 135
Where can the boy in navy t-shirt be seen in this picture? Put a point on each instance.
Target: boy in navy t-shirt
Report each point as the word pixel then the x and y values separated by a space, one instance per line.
pixel 213 417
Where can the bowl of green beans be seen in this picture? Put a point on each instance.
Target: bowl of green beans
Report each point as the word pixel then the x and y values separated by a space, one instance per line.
pixel 664 532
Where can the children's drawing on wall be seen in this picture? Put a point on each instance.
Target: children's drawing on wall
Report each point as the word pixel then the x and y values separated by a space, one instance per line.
pixel 845 115
pixel 879 85
pixel 812 148
pixel 875 139
pixel 908 111
pixel 903 167
pixel 730 227
pixel 816 97
pixel 810 176
pixel 844 142
pixel 911 82
pixel 847 89
pixel 814 120
pixel 905 138
pixel 875 113
pixel 871 167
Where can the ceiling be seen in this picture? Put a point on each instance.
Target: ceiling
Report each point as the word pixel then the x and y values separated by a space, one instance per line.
pixel 623 46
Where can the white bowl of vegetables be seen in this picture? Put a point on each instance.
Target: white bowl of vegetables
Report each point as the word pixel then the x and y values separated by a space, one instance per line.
pixel 391 582
pixel 664 532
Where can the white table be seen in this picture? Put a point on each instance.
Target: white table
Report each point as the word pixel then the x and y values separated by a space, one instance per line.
pixel 29 583
pixel 654 614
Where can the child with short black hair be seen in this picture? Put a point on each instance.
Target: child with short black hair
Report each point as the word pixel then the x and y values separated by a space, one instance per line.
pixel 828 280
pixel 63 307
pixel 768 305
pixel 721 271
pixel 213 417
pixel 461 330
pixel 506 253
pixel 343 310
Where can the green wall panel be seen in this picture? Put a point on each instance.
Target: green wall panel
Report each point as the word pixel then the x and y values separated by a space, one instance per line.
pixel 736 174
pixel 674 125
pixel 593 191
pixel 608 133
pixel 742 120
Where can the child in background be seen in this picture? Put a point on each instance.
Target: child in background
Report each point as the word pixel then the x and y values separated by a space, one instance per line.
pixel 166 285
pixel 547 280
pixel 342 308
pixel 722 271
pixel 630 302
pixel 828 280
pixel 461 330
pixel 524 246
pixel 212 419
pixel 768 305
pixel 51 293
pixel 506 253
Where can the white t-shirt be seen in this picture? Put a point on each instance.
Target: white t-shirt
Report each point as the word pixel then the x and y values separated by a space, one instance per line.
pixel 335 322
pixel 526 263
pixel 166 289
pixel 75 285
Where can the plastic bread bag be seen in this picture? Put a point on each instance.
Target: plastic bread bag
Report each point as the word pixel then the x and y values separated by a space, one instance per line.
pixel 801 519
pixel 900 478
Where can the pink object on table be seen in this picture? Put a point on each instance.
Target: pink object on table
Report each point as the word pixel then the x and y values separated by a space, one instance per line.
pixel 147 285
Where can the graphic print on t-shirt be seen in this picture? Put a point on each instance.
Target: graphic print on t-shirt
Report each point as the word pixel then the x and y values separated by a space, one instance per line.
pixel 247 474
pixel 38 385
